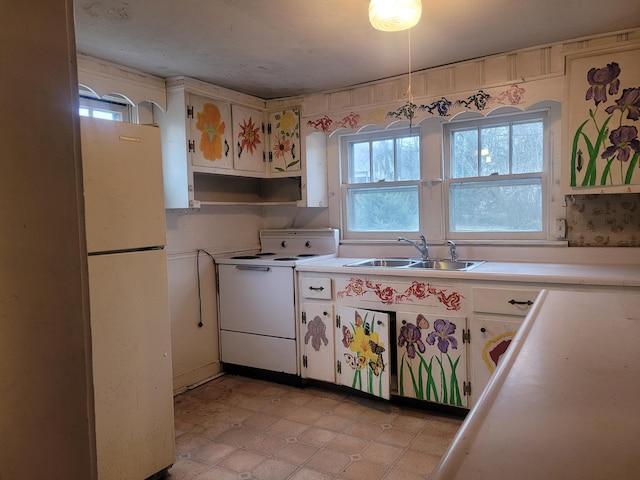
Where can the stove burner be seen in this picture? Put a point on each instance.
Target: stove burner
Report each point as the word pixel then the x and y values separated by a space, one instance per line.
pixel 308 255
pixel 246 257
pixel 286 259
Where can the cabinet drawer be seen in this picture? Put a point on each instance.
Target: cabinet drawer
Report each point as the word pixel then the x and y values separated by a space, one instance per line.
pixel 315 288
pixel 507 301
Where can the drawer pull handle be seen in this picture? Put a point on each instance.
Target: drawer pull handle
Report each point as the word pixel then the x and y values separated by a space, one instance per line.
pixel 316 288
pixel 516 302
pixel 253 267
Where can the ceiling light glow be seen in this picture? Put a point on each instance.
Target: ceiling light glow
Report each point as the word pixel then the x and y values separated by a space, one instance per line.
pixel 394 15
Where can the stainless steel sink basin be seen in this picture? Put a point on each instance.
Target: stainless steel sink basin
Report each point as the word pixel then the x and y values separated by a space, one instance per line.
pixel 384 262
pixel 433 264
pixel 442 264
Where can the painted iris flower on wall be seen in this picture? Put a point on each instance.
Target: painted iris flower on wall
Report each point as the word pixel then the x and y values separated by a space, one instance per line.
pixel 606 148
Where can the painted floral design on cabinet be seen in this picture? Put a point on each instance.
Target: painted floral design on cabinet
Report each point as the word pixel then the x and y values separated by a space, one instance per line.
pixel 388 294
pixel 430 366
pixel 361 352
pixel 605 147
pixel 285 140
pixel 212 127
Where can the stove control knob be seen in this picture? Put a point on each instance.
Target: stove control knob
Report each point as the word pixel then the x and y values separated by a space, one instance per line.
pixel 283 244
pixel 308 244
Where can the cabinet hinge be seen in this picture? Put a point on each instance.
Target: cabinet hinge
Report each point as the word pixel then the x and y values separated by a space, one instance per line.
pixel 338 321
pixel 304 361
pixel 189 111
pixel 338 366
pixel 466 388
pixel 466 335
pixel 304 317
pixel 191 145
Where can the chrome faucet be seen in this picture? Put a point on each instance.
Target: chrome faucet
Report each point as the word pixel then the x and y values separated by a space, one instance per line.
pixel 452 250
pixel 424 249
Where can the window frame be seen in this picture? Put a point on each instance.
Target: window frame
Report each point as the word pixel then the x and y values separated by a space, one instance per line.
pixel 544 175
pixel 345 187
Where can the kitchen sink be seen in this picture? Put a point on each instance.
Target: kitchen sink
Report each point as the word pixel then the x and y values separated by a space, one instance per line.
pixel 414 263
pixel 443 264
pixel 384 262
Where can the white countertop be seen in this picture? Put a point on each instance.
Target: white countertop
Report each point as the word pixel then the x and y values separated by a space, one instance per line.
pixel 578 274
pixel 564 402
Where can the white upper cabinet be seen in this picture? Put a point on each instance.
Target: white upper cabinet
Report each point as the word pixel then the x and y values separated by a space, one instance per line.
pixel 284 140
pixel 248 139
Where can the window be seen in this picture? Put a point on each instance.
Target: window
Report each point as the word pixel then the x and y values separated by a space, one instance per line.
pixel 380 183
pixel 106 109
pixel 496 181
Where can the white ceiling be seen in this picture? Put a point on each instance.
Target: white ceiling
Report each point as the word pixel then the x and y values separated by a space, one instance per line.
pixel 282 48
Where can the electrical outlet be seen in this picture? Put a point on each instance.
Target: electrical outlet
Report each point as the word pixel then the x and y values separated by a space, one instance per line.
pixel 561 228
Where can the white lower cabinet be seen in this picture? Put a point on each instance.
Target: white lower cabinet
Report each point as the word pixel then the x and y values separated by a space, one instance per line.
pixel 317 341
pixel 362 350
pixel 421 338
pixel 491 338
pixel 498 312
pixel 432 358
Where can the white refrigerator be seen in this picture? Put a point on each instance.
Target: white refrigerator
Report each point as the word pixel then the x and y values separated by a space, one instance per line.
pixel 129 302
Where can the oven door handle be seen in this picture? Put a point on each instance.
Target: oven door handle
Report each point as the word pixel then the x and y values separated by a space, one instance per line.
pixel 253 267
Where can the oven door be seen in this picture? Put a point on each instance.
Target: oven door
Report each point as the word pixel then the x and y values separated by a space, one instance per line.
pixel 257 299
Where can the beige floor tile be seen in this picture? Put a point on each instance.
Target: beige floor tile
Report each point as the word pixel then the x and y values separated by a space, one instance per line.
pixel 430 444
pixel 212 452
pixel 418 462
pixel 333 422
pixel 264 443
pixel 317 437
pixel 236 428
pixel 382 453
pixel 396 437
pixel 236 436
pixel 260 421
pixel 304 415
pixel 308 474
pixel 186 469
pixel 328 461
pixel 273 469
pixel 242 461
pixel 215 473
pixel 363 429
pixel 398 474
pixel 348 444
pixel 296 452
pixel 364 469
pixel 286 428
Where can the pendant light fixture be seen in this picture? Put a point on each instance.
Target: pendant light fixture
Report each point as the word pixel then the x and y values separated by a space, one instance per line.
pixel 394 15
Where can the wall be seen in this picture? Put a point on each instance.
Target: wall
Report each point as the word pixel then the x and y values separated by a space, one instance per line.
pixel 518 79
pixel 46 400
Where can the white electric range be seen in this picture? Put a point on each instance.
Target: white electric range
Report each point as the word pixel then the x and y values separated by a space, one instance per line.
pixel 257 309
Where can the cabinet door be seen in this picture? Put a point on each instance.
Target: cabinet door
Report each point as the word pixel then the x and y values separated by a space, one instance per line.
pixel 284 141
pixel 248 139
pixel 316 338
pixel 362 350
pixel 210 133
pixel 490 338
pixel 431 357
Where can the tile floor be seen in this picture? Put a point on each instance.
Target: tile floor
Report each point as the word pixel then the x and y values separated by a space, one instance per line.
pixel 237 428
